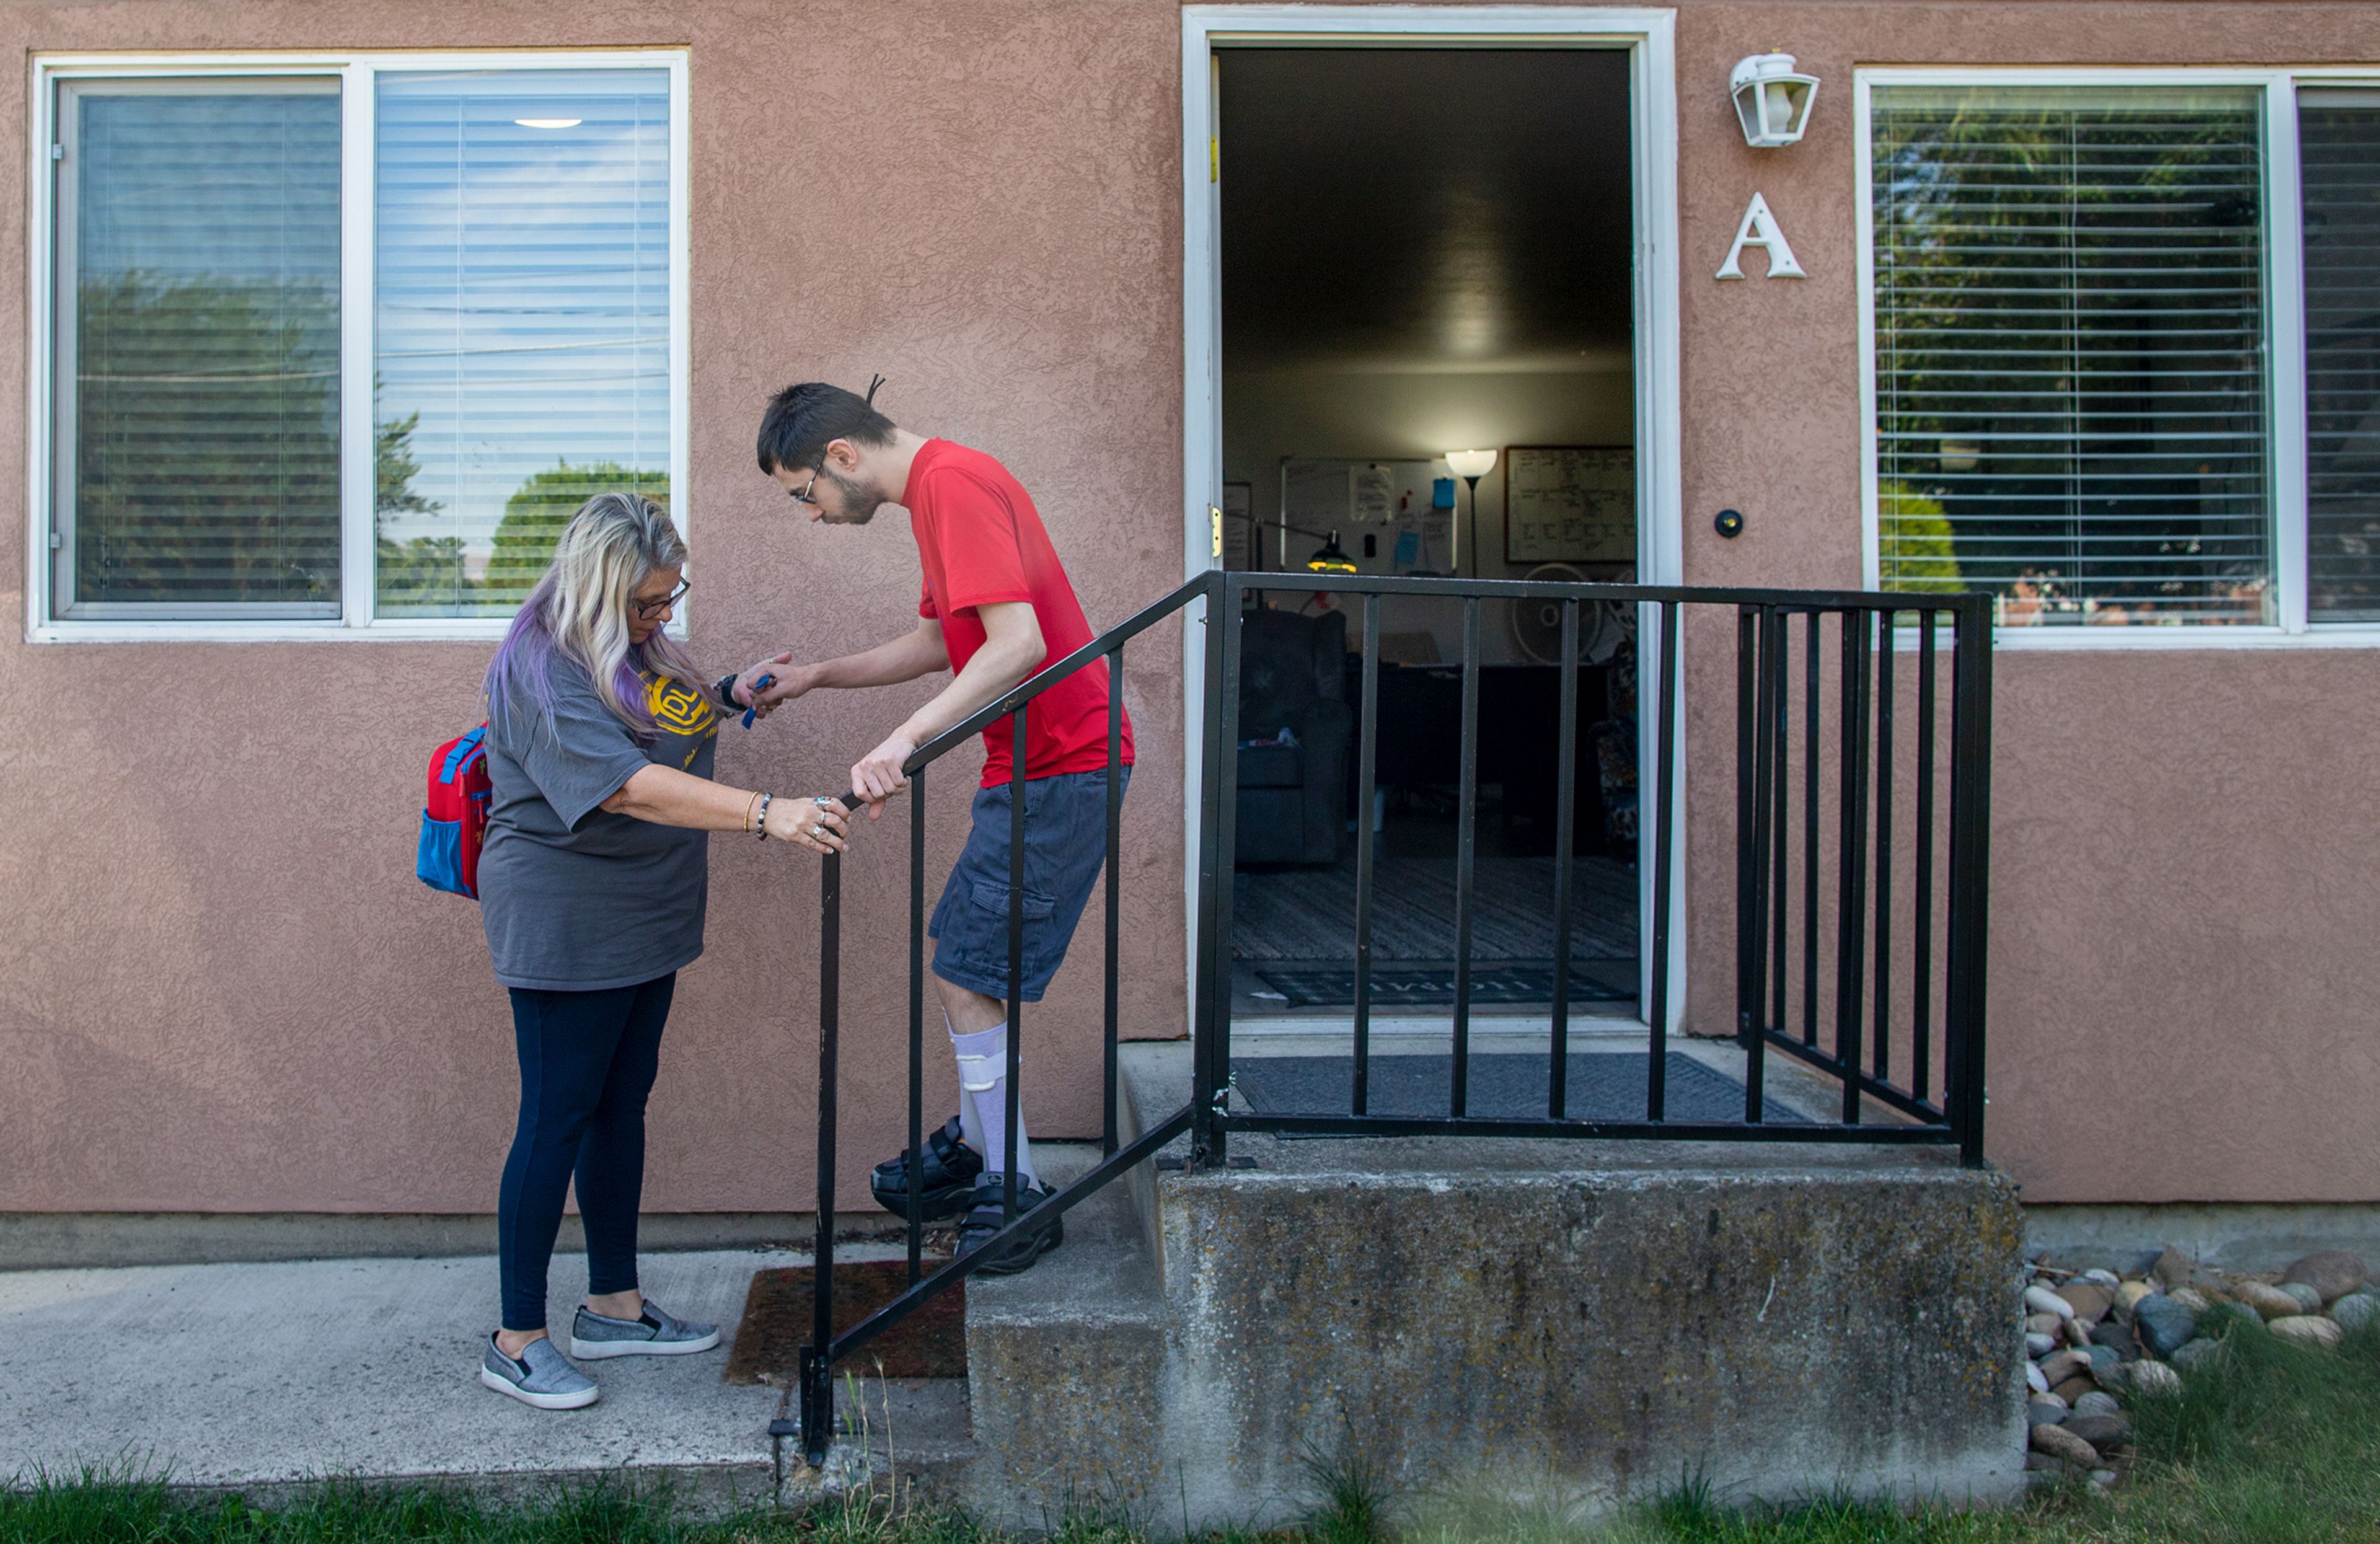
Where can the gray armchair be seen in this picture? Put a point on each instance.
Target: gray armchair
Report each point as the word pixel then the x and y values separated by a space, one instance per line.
pixel 1293 797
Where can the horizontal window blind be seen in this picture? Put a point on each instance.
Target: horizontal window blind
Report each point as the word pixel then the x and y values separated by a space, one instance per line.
pixel 2338 140
pixel 521 321
pixel 196 321
pixel 2069 322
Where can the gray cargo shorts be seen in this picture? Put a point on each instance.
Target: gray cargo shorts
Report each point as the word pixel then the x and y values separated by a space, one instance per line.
pixel 1065 840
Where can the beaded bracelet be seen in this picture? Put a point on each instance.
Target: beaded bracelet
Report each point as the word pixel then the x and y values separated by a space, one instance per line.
pixel 764 814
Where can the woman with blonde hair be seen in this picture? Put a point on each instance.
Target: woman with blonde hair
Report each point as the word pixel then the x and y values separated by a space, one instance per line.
pixel 592 884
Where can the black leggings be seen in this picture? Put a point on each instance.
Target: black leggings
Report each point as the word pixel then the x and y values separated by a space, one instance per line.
pixel 587 1064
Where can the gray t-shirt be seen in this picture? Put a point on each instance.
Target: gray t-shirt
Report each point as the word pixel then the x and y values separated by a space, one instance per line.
pixel 575 898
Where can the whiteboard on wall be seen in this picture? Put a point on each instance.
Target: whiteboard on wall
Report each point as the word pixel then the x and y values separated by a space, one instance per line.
pixel 1570 504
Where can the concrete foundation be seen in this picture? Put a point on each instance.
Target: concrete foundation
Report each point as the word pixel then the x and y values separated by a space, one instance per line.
pixel 1569 1321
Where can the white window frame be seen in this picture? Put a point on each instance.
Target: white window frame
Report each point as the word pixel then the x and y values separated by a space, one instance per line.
pixel 357 73
pixel 2284 345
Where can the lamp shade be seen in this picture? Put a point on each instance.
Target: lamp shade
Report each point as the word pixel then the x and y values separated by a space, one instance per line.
pixel 1332 559
pixel 1473 463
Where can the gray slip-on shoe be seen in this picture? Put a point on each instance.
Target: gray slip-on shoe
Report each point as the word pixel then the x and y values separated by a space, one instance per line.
pixel 655 1333
pixel 538 1376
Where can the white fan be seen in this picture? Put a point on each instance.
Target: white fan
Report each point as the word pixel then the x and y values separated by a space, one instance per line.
pixel 1537 624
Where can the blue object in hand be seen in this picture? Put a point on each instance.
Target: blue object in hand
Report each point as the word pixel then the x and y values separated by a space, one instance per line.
pixel 763 681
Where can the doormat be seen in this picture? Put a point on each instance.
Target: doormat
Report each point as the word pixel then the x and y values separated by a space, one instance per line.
pixel 1396 987
pixel 930 1342
pixel 1604 1085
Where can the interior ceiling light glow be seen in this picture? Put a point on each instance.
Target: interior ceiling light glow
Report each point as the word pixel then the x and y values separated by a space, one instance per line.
pixel 549 123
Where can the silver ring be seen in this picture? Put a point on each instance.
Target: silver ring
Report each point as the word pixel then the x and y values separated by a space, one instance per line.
pixel 826 801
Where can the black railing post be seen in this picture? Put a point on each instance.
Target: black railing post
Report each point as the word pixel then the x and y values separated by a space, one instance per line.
pixel 1466 843
pixel 1565 795
pixel 1920 962
pixel 1665 821
pixel 1880 1009
pixel 1214 932
pixel 1813 740
pixel 1017 799
pixel 1781 821
pixel 1747 730
pixel 918 1024
pixel 1764 813
pixel 817 1364
pixel 1851 899
pixel 1367 796
pixel 1971 805
pixel 1115 900
pixel 1226 821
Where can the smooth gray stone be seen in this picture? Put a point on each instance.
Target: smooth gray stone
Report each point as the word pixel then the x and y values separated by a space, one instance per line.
pixel 2163 1325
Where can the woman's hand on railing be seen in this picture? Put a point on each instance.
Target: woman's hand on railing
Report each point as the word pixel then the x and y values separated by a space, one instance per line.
pixel 821 825
pixel 877 776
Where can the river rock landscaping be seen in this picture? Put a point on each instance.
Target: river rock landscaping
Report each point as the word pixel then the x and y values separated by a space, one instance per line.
pixel 2092 1337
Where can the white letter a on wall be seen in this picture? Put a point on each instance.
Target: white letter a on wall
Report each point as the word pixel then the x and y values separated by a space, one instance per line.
pixel 1760 229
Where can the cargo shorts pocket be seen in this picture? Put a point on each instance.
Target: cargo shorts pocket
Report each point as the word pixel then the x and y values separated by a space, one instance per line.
pixel 994 898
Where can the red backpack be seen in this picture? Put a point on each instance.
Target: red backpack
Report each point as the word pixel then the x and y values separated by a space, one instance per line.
pixel 455 815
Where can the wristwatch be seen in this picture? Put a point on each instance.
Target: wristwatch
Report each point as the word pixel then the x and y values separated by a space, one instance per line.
pixel 725 687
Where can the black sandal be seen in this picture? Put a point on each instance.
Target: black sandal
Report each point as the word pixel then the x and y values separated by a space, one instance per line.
pixel 987 1217
pixel 951 1170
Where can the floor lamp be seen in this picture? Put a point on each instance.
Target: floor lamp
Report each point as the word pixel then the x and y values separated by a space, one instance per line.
pixel 1471 466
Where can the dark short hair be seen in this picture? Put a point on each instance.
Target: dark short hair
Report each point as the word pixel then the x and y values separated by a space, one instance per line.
pixel 802 420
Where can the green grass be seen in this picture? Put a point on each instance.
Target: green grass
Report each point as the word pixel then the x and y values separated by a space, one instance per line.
pixel 2271 1444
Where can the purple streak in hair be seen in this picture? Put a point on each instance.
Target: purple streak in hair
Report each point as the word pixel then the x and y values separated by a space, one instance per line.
pixel 526 659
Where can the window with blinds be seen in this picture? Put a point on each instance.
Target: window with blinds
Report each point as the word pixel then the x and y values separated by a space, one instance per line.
pixel 2339 147
pixel 207 435
pixel 196 324
pixel 521 321
pixel 2069 365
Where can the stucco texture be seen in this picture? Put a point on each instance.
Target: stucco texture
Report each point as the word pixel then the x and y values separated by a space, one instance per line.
pixel 2181 974
pixel 224 988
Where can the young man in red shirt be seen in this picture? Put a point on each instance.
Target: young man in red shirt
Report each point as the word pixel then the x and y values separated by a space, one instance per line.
pixel 995 608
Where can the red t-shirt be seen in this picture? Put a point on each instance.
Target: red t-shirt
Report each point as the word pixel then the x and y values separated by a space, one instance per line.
pixel 980 543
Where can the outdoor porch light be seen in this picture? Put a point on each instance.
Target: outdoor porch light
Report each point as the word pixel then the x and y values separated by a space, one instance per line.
pixel 1771 100
pixel 1332 559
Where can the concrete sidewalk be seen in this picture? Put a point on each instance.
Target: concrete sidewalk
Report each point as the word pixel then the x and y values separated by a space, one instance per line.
pixel 254 1376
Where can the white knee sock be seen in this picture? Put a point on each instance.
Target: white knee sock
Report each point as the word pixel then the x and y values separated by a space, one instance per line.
pixel 983 1093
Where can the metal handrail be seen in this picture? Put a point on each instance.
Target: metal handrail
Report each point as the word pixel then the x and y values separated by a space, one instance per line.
pixel 1870 635
pixel 815 1373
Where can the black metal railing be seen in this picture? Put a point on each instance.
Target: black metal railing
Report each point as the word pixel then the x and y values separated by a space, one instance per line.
pixel 1850 742
pixel 1858 760
pixel 814 1374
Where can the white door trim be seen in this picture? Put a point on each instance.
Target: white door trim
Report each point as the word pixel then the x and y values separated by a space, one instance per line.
pixel 1649 35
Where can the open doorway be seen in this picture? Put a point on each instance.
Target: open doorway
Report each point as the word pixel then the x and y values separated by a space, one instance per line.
pixel 1424 250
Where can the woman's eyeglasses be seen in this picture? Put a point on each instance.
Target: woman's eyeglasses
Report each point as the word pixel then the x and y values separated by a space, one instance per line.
pixel 647 609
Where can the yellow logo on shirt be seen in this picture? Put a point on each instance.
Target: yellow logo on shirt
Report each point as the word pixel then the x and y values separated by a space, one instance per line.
pixel 682 710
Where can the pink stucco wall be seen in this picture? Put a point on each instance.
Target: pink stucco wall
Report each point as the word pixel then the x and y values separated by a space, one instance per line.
pixel 2181 981
pixel 222 989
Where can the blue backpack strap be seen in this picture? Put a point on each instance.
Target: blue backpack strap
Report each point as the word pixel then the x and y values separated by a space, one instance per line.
pixel 467 751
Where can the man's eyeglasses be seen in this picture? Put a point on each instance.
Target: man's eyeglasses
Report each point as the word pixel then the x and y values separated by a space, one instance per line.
pixel 648 610
pixel 802 493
